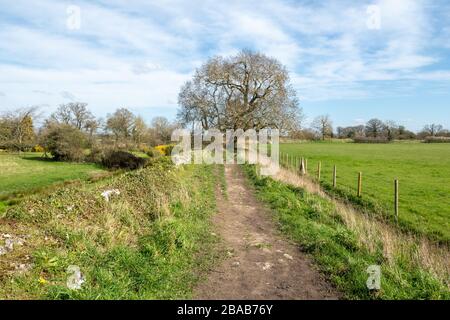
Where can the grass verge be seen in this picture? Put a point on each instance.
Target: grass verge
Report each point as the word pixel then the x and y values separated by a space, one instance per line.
pixel 152 241
pixel 344 248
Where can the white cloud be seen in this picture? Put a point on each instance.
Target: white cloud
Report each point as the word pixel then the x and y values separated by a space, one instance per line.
pixel 139 53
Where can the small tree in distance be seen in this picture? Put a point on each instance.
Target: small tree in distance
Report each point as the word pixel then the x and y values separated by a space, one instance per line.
pixel 323 126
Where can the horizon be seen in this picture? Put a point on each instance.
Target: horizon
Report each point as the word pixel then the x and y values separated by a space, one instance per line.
pixel 353 61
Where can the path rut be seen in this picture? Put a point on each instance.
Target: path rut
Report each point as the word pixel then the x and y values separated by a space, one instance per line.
pixel 260 263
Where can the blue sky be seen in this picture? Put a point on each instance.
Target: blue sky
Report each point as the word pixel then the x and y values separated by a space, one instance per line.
pixel 344 59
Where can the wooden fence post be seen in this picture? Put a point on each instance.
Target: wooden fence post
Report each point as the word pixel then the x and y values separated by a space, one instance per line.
pixel 396 200
pixel 302 167
pixel 360 185
pixel 334 176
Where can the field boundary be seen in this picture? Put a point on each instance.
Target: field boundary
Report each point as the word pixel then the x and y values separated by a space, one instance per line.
pixel 344 242
pixel 367 205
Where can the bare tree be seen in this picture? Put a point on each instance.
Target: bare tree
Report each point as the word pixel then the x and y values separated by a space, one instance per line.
pixel 139 130
pixel 120 123
pixel 374 128
pixel 391 130
pixel 350 132
pixel 249 90
pixel 323 126
pixel 91 126
pixel 433 129
pixel 75 114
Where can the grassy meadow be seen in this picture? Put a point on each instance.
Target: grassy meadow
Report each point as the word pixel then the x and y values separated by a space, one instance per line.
pixel 422 169
pixel 28 172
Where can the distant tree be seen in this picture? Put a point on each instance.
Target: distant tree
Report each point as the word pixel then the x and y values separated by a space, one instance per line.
pixel 391 130
pixel 404 134
pixel 120 123
pixel 445 133
pixel 162 129
pixel 248 90
pixel 139 130
pixel 17 129
pixel 303 134
pixel 323 126
pixel 374 128
pixel 433 129
pixel 91 126
pixel 75 114
pixel 351 132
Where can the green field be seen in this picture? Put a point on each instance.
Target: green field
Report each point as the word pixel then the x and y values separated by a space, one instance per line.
pixel 27 173
pixel 422 169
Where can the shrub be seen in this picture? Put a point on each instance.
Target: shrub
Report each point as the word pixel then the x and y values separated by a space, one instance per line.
pixel 437 140
pixel 371 140
pixel 122 160
pixel 38 148
pixel 96 154
pixel 165 150
pixel 151 152
pixel 64 142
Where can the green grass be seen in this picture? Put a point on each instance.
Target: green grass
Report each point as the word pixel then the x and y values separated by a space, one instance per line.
pixel 315 225
pixel 153 241
pixel 27 173
pixel 423 171
pixel 140 154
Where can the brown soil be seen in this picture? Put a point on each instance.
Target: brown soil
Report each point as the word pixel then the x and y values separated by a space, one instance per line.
pixel 260 263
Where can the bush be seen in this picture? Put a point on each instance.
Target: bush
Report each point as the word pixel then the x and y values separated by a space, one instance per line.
pixel 64 142
pixel 437 140
pixel 122 160
pixel 165 150
pixel 151 152
pixel 38 148
pixel 370 140
pixel 96 154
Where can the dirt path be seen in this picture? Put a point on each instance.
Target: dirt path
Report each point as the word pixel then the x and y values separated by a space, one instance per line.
pixel 261 264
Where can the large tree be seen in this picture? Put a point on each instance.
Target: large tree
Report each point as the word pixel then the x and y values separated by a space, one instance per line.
pixel 249 90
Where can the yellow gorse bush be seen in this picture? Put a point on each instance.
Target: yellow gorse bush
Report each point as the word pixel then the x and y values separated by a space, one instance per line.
pixel 38 148
pixel 165 150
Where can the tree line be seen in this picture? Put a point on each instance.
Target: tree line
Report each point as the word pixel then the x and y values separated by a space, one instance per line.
pixel 375 130
pixel 246 91
pixel 72 129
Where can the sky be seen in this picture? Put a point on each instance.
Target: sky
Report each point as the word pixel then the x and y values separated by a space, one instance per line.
pixel 353 60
